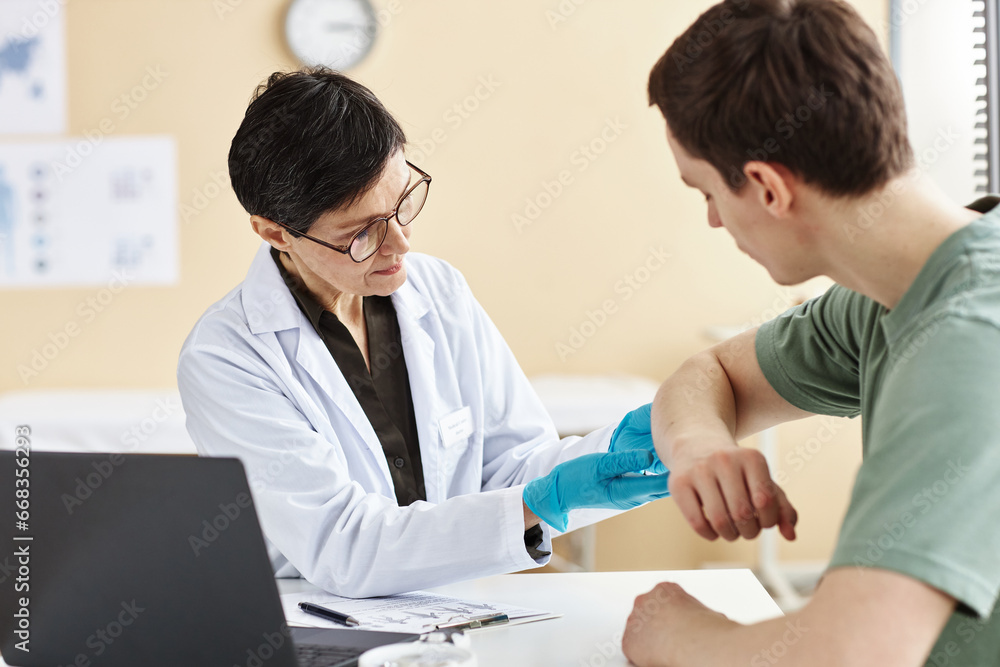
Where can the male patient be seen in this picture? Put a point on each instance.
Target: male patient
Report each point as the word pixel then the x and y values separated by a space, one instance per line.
pixel 787 116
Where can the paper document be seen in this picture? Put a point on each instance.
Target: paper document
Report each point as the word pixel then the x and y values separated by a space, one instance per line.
pixel 410 612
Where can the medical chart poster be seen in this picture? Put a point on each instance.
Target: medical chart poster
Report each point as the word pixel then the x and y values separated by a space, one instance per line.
pixel 83 212
pixel 32 67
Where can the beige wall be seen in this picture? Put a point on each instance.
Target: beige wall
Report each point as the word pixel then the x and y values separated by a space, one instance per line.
pixel 555 88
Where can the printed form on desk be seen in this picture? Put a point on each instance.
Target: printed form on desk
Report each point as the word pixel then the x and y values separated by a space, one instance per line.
pixel 410 612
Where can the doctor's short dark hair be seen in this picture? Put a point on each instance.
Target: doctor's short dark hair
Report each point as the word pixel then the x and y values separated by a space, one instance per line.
pixel 311 141
pixel 801 83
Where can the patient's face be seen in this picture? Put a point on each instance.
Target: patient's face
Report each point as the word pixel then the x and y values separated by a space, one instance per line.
pixel 741 213
pixel 382 273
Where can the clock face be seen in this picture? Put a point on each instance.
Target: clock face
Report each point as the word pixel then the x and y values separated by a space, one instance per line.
pixel 335 33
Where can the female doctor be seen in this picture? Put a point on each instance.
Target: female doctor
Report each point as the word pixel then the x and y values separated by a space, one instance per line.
pixel 391 440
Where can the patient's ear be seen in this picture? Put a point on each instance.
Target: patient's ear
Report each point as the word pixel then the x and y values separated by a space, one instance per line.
pixel 773 185
pixel 270 232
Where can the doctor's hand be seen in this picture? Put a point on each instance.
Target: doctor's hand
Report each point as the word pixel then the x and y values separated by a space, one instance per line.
pixel 634 432
pixel 604 481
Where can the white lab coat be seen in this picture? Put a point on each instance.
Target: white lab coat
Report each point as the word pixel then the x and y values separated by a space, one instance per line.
pixel 258 383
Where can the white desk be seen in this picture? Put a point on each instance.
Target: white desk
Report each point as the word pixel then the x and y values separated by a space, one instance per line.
pixel 594 607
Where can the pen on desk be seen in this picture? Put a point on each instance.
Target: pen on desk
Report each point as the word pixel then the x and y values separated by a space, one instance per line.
pixel 475 622
pixel 328 614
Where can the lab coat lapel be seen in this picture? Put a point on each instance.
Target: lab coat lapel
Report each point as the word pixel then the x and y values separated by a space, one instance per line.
pixel 416 321
pixel 267 303
pixel 265 294
pixel 313 356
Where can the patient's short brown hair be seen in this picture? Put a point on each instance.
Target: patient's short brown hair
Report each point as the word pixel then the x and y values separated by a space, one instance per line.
pixel 802 83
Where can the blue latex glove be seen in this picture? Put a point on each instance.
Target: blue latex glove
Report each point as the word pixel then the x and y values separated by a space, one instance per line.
pixel 635 432
pixel 594 480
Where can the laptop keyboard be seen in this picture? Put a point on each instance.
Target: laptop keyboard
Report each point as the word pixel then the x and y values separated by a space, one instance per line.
pixel 316 655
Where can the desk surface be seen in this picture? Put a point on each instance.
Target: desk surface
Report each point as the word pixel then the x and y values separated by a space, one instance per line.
pixel 594 607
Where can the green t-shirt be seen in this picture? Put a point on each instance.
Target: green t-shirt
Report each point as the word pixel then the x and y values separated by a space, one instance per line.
pixel 926 379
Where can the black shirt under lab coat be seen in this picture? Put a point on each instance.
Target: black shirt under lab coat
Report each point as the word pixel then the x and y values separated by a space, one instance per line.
pixel 384 392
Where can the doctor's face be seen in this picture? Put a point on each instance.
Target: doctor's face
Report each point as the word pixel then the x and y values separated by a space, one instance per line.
pixel 382 273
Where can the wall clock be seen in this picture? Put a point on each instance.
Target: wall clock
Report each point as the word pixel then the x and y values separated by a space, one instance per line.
pixel 334 33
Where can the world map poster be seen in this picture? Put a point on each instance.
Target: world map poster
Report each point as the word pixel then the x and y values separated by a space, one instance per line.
pixel 32 67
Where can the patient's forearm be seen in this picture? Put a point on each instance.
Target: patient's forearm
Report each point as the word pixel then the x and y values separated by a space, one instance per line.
pixel 718 396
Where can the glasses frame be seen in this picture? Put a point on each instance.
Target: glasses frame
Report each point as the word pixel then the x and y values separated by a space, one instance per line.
pixel 346 249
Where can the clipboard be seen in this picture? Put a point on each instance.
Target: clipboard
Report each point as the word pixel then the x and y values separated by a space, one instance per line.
pixel 417 612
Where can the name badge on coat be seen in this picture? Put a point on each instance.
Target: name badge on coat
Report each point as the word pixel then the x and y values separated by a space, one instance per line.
pixel 456 426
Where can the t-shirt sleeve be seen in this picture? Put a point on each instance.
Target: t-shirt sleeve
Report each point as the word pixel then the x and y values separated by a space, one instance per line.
pixel 811 353
pixel 925 502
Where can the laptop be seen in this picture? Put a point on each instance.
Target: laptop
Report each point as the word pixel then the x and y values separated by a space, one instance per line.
pixel 140 559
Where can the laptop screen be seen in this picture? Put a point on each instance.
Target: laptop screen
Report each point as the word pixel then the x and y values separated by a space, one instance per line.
pixel 134 560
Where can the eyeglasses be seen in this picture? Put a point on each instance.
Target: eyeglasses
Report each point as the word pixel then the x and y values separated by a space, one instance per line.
pixel 366 242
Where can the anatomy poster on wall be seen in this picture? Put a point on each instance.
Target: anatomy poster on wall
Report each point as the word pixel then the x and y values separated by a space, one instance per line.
pixel 32 67
pixel 77 212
